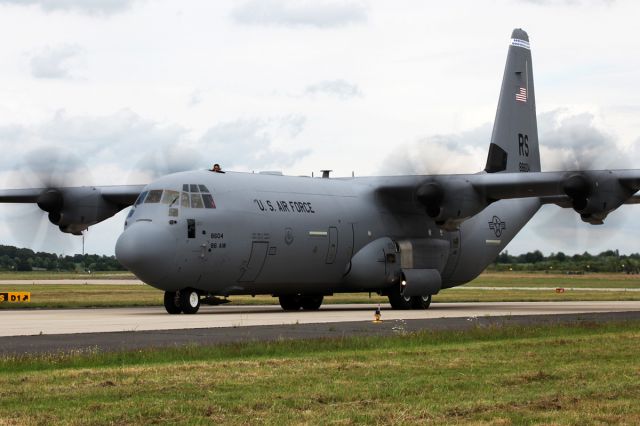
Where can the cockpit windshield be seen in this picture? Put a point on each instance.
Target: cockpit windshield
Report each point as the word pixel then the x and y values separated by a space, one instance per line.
pixel 154 196
pixel 195 196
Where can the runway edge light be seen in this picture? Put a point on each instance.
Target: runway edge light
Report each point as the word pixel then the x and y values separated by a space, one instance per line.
pixel 377 316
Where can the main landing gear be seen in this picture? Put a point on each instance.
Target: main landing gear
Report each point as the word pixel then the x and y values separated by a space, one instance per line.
pixel 399 301
pixel 296 302
pixel 186 301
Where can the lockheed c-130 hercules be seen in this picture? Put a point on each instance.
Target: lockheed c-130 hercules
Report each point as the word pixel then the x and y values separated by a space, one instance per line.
pixel 198 235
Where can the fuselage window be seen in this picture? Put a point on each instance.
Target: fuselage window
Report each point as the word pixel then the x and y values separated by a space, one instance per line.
pixel 194 188
pixel 184 200
pixel 208 201
pixel 154 196
pixel 140 198
pixel 170 197
pixel 203 188
pixel 196 201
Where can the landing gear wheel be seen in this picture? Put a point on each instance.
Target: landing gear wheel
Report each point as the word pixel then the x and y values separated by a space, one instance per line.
pixel 397 300
pixel 311 303
pixel 189 301
pixel 171 302
pixel 291 302
pixel 420 302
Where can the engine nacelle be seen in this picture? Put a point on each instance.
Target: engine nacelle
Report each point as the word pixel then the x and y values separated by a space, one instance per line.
pixel 75 209
pixel 595 194
pixel 450 201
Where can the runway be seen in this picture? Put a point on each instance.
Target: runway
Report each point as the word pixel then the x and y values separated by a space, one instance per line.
pixel 70 321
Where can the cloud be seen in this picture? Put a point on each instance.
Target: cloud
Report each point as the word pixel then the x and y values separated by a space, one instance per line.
pixel 251 142
pixel 463 152
pixel 119 139
pixel 196 97
pixel 292 13
pixel 124 147
pixel 89 7
pixel 568 141
pixel 568 2
pixel 574 141
pixel 56 62
pixel 338 88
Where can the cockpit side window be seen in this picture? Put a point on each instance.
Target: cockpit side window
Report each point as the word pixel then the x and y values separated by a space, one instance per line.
pixel 203 188
pixel 140 198
pixel 154 196
pixel 208 201
pixel 194 188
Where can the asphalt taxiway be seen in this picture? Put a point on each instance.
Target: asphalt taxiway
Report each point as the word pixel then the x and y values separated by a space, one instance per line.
pixel 46 330
pixel 72 321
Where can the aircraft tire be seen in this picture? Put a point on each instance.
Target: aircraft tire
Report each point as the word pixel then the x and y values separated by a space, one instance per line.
pixel 189 301
pixel 397 300
pixel 171 303
pixel 420 302
pixel 311 303
pixel 290 302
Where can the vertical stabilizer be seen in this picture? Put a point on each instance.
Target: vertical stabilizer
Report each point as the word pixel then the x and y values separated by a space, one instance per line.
pixel 514 141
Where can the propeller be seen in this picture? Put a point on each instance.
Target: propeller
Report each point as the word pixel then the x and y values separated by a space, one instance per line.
pixel 50 168
pixel 554 222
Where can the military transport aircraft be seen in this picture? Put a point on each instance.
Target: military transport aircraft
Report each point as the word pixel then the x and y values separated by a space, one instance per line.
pixel 198 235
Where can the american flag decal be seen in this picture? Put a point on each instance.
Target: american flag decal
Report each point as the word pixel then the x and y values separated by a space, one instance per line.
pixel 522 95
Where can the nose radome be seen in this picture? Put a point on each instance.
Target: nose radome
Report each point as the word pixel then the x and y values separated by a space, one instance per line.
pixel 148 250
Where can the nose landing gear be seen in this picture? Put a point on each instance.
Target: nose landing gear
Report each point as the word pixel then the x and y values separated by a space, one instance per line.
pixel 186 301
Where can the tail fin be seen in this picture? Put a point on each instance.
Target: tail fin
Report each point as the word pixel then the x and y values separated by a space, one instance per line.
pixel 514 142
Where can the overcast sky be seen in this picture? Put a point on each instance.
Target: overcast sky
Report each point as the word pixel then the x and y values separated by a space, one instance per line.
pixel 120 91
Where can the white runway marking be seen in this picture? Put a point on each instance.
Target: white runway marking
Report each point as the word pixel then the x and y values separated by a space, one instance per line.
pixel 68 321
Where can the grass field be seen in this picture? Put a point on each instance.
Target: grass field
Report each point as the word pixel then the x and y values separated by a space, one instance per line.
pixel 50 275
pixel 521 279
pixel 588 374
pixel 96 295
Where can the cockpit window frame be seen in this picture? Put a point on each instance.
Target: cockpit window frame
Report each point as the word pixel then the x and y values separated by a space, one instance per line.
pixel 140 198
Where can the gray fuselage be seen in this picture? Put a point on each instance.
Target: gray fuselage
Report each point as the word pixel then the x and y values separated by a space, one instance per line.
pixel 269 234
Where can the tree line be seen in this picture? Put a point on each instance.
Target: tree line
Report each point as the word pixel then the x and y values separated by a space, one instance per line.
pixel 23 259
pixel 606 261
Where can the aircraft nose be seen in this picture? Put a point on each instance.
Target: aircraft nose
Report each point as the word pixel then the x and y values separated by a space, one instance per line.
pixel 148 250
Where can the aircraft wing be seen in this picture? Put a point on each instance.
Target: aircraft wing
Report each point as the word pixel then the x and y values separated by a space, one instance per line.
pixel 74 209
pixel 451 199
